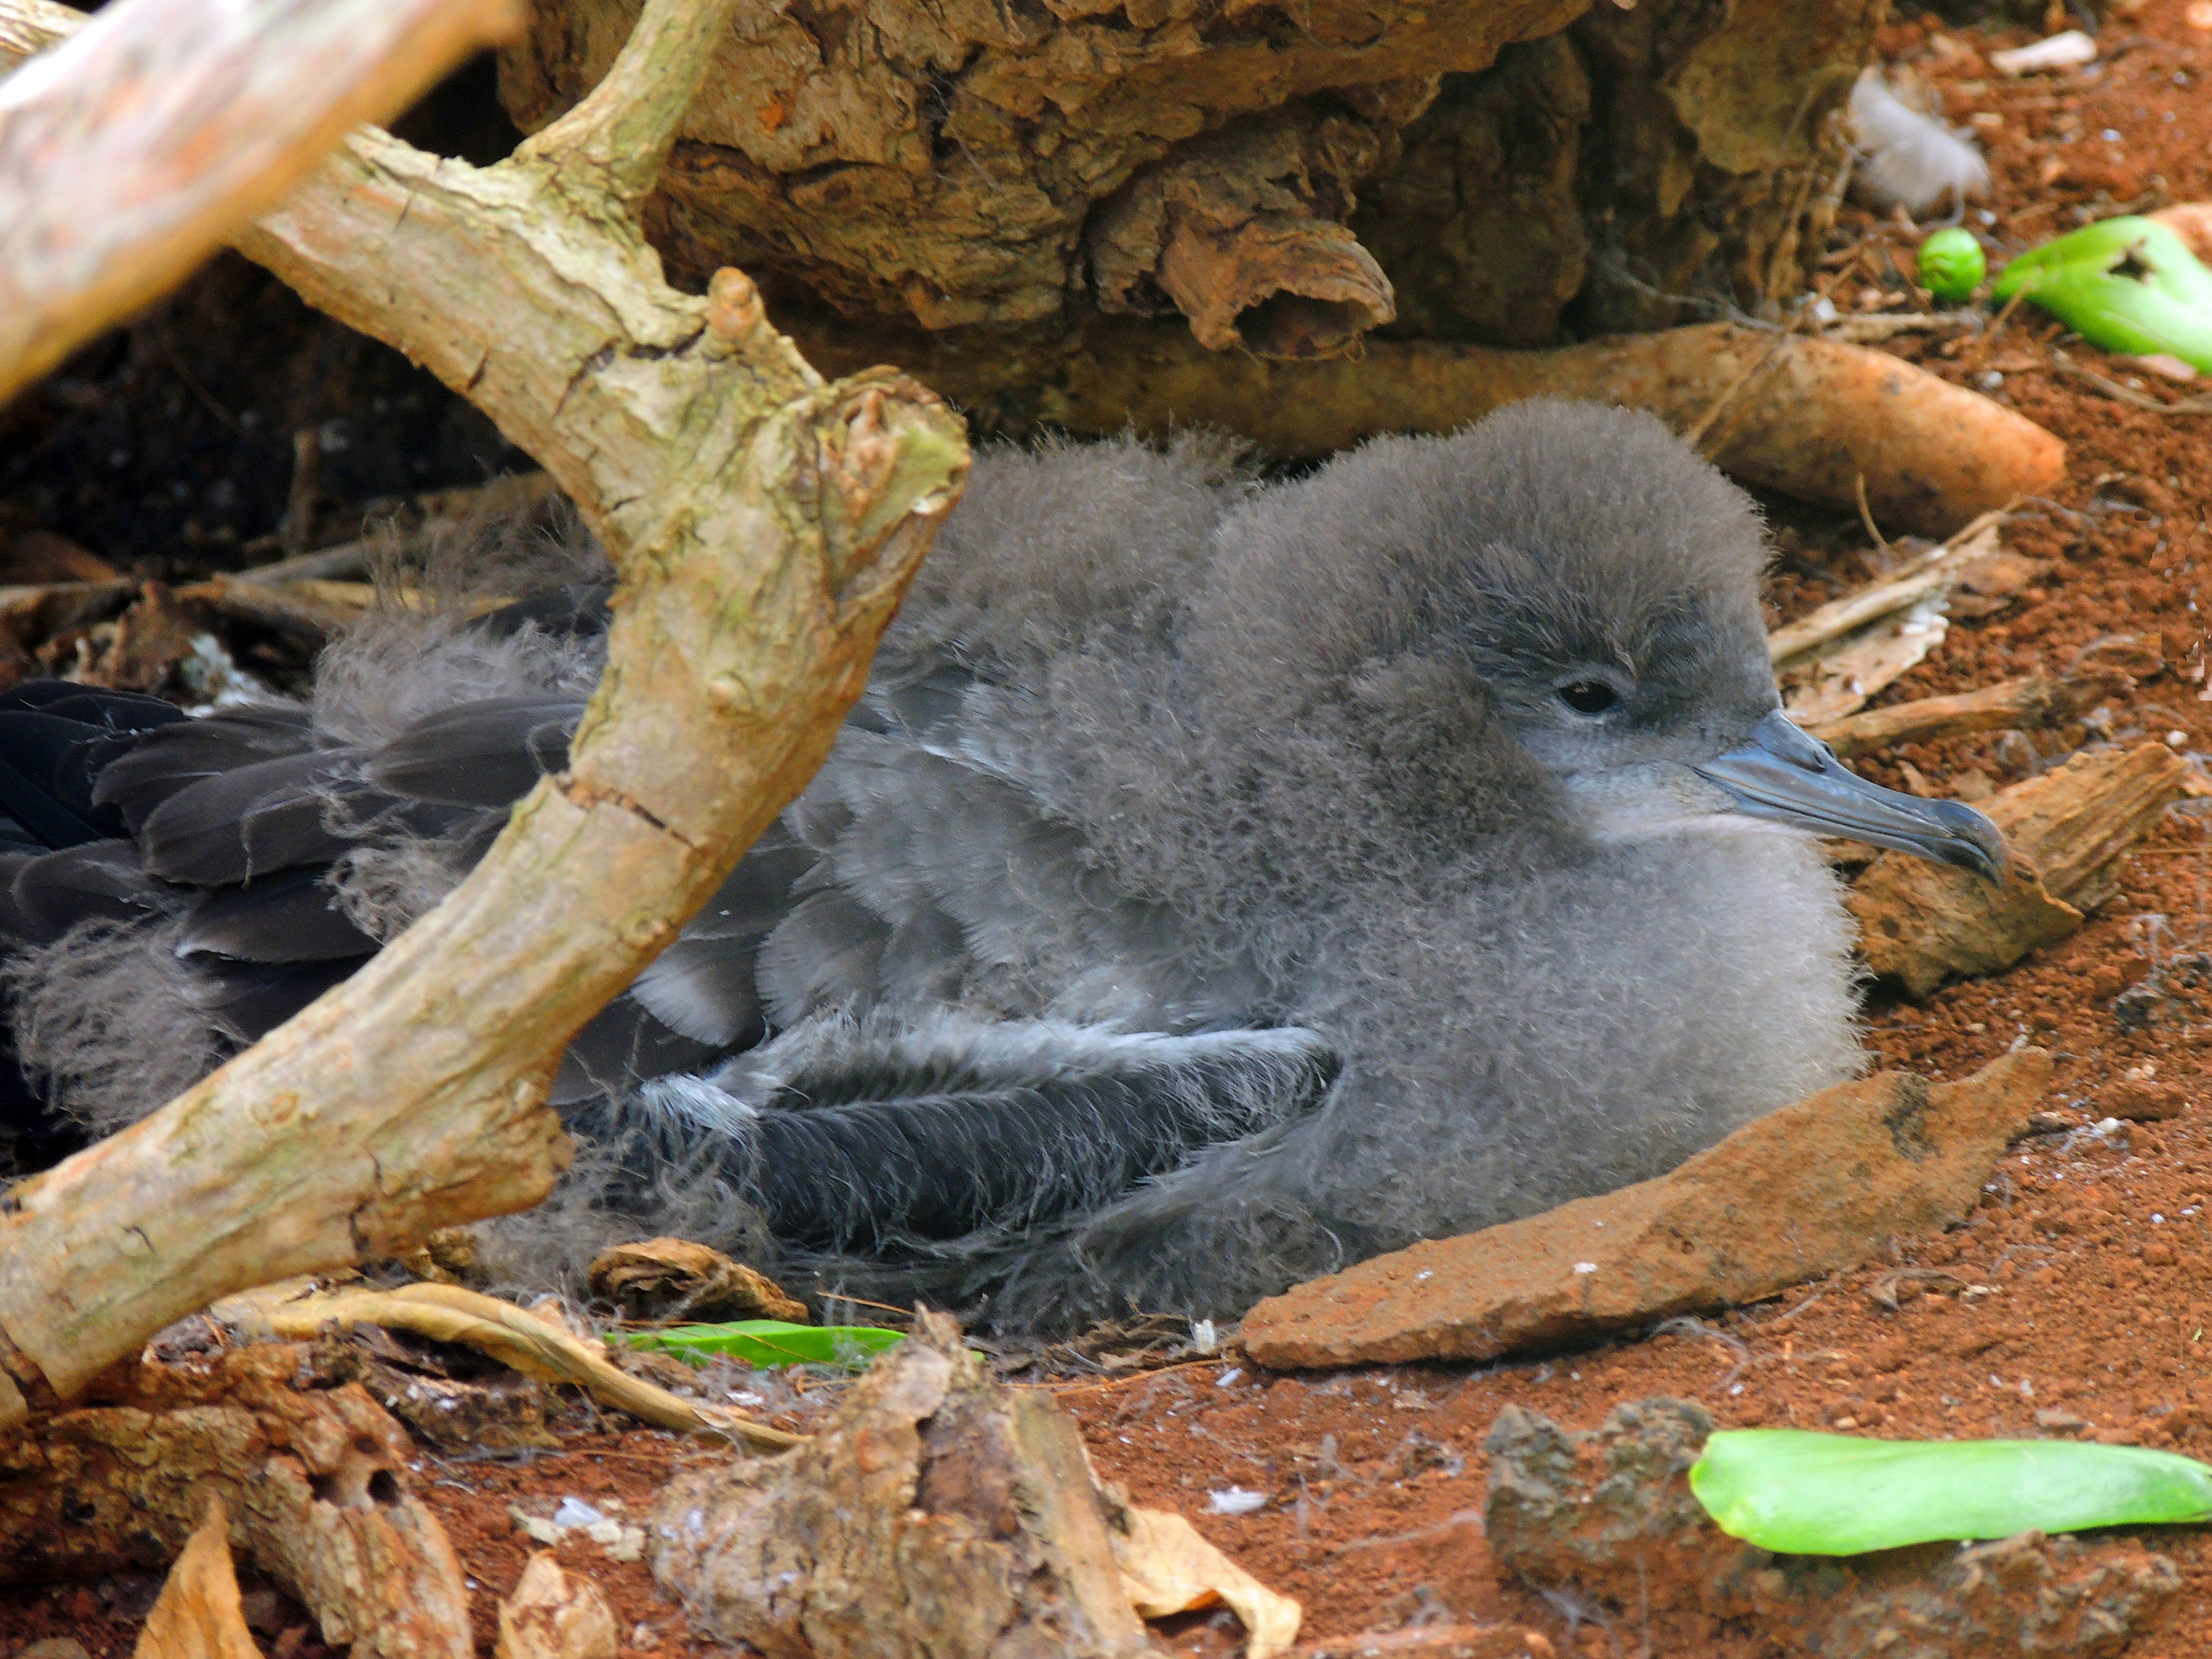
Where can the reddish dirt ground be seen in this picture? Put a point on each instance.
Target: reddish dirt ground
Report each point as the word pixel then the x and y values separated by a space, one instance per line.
pixel 2080 1290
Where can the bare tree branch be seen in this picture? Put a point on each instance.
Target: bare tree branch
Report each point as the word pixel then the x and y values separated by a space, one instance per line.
pixel 129 153
pixel 764 525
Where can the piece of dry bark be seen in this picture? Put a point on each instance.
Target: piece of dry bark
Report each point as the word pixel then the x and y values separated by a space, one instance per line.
pixel 1816 419
pixel 1800 1192
pixel 949 165
pixel 1921 923
pixel 764 525
pixel 1244 235
pixel 315 1482
pixel 2023 705
pixel 674 1279
pixel 555 1614
pixel 938 1512
pixel 1434 1642
pixel 198 1615
pixel 126 156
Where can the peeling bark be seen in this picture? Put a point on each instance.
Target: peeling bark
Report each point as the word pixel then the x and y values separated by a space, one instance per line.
pixel 998 167
pixel 314 1481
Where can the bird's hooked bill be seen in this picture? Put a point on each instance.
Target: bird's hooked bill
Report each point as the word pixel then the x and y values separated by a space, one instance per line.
pixel 1789 777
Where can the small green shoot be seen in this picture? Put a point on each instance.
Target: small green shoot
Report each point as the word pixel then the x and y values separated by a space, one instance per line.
pixel 1952 265
pixel 2128 284
pixel 1800 1493
pixel 763 1342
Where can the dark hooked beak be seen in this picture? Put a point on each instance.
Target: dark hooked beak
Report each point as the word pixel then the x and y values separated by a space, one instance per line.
pixel 1785 774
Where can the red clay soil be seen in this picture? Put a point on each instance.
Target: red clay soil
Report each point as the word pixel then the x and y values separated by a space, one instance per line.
pixel 2082 1290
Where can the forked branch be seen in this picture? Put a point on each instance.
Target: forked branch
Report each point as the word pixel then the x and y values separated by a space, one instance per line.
pixel 764 525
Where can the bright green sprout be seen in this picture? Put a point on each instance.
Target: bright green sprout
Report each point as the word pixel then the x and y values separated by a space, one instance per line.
pixel 1800 1493
pixel 761 1342
pixel 2128 284
pixel 1951 264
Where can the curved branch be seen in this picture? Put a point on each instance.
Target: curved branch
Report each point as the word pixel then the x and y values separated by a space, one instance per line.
pixel 764 525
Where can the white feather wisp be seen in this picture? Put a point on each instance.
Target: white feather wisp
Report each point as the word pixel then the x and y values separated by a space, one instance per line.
pixel 1908 158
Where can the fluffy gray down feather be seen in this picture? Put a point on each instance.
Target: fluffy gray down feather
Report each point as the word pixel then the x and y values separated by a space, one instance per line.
pixel 1156 753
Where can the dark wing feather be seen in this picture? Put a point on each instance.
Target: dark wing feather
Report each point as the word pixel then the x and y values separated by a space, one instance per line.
pixel 246 1001
pixel 289 917
pixel 622 1043
pixel 100 881
pixel 173 758
pixel 873 1149
pixel 484 754
pixel 255 819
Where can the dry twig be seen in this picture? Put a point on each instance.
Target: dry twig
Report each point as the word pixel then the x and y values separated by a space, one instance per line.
pixel 2012 706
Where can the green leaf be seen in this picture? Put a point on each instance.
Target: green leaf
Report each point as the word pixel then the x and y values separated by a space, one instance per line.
pixel 1800 1493
pixel 2128 284
pixel 772 1342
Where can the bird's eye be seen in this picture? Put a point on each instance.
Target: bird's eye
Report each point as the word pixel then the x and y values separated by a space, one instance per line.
pixel 1588 697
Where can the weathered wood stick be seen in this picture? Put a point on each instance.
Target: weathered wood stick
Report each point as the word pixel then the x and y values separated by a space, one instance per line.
pixel 1816 417
pixel 764 525
pixel 128 154
pixel 1921 923
pixel 2011 706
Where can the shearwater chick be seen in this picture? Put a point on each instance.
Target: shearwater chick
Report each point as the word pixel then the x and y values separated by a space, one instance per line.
pixel 1218 884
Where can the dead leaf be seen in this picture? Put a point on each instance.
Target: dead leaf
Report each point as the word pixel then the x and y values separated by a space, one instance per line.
pixel 555 1615
pixel 1168 1568
pixel 198 1615
pixel 676 1279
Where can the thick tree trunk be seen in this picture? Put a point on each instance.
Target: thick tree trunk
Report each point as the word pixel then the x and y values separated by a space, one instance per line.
pixel 1284 175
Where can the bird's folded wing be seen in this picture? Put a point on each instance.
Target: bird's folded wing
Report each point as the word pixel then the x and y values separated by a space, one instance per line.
pixel 859 1136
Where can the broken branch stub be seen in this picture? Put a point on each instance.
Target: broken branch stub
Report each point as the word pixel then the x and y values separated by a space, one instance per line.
pixel 129 153
pixel 939 1512
pixel 1921 923
pixel 764 525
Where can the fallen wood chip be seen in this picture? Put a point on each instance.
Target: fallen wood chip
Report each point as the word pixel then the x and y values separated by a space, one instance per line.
pixel 514 1336
pixel 198 1615
pixel 938 1511
pixel 1921 923
pixel 1609 1515
pixel 555 1615
pixel 2020 705
pixel 676 1279
pixel 315 1481
pixel 1855 610
pixel 1813 1187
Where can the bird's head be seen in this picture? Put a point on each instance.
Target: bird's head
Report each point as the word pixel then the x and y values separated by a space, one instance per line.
pixel 1557 606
